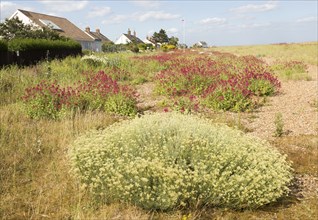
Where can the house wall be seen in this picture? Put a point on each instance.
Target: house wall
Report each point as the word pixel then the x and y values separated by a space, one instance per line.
pixel 25 20
pixel 91 45
pixel 122 40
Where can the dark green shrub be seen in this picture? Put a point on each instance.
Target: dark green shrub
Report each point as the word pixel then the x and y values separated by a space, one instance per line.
pixel 168 160
pixel 133 48
pixel 42 44
pixel 3 46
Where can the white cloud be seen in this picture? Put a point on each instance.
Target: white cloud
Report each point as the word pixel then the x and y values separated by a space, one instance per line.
pixel 99 12
pixel 307 19
pixel 64 6
pixel 8 8
pixel 270 5
pixel 147 4
pixel 255 25
pixel 116 19
pixel 138 16
pixel 172 31
pixel 157 15
pixel 213 21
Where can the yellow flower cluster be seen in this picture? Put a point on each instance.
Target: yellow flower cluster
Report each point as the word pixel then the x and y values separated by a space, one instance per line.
pixel 169 160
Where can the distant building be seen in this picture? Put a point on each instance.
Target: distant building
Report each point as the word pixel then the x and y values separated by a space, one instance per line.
pixel 98 37
pixel 128 38
pixel 201 44
pixel 61 25
pixel 148 41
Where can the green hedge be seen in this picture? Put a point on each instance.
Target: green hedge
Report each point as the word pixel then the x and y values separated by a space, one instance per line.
pixel 3 46
pixel 41 44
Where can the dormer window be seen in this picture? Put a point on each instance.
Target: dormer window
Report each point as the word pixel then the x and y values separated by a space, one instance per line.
pixel 51 24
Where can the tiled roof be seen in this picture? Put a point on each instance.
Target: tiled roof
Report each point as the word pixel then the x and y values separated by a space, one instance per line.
pixel 68 28
pixel 134 38
pixel 99 36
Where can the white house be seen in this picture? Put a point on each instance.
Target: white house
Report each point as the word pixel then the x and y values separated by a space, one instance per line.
pixel 128 38
pixel 61 25
pixel 99 39
pixel 201 44
pixel 148 41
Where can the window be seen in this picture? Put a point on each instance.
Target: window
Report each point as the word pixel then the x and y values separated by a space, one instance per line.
pixel 51 24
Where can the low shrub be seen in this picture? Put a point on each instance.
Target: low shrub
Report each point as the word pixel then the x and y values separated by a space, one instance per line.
pixel 110 47
pixel 167 47
pixel 95 61
pixel 133 48
pixel 261 87
pixel 169 160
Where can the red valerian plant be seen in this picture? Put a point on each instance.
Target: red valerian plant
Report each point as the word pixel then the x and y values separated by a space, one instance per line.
pixel 98 92
pixel 221 81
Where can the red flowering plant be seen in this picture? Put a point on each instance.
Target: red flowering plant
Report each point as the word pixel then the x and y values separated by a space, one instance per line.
pixel 46 100
pixel 98 92
pixel 221 81
pixel 186 104
pixel 186 76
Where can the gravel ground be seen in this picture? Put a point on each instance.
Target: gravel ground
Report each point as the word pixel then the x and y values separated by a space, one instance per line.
pixel 295 103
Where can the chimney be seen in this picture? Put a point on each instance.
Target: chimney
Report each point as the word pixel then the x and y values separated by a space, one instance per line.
pixel 129 32
pixel 98 31
pixel 135 33
pixel 87 29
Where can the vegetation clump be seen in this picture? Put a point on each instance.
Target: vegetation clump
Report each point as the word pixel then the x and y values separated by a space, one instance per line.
pixel 169 160
pixel 221 82
pixel 98 92
pixel 291 70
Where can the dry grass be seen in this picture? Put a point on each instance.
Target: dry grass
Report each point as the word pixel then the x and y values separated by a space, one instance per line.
pixel 35 181
pixel 302 150
pixel 306 52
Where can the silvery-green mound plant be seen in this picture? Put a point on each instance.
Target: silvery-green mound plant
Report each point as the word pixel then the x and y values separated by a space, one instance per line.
pixel 95 60
pixel 169 160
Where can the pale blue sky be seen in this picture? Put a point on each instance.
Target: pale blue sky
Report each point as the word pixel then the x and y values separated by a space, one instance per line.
pixel 216 22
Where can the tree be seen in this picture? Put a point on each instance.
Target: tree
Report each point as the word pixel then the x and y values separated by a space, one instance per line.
pixel 173 41
pixel 160 37
pixel 14 28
